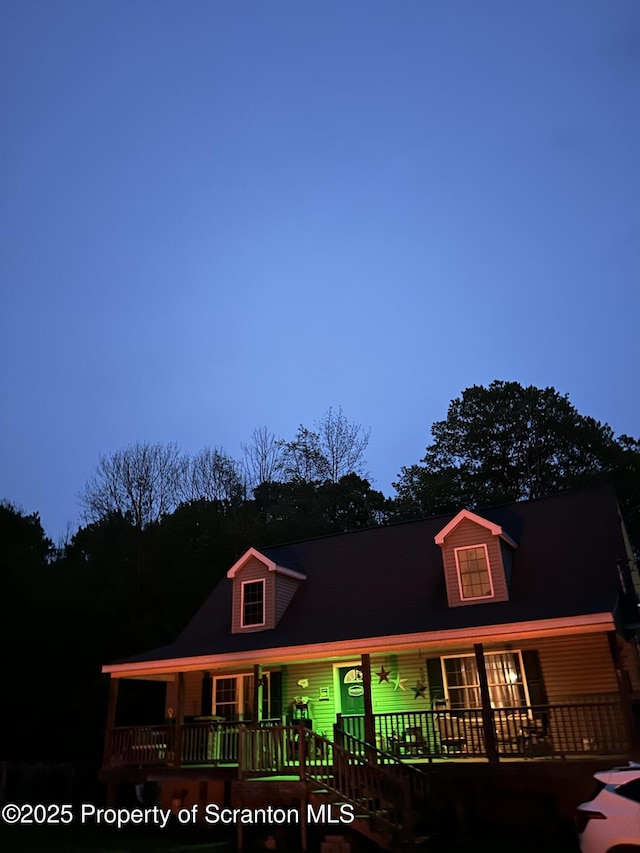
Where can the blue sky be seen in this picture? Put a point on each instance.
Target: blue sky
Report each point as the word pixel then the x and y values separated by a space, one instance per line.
pixel 217 215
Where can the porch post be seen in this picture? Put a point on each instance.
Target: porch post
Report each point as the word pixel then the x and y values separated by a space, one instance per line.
pixel 369 722
pixel 256 711
pixel 487 710
pixel 114 684
pixel 177 735
pixel 624 689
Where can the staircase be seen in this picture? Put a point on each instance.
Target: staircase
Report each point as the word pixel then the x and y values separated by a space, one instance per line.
pixel 390 800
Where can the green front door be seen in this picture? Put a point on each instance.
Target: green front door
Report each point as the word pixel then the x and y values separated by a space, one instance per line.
pixel 351 690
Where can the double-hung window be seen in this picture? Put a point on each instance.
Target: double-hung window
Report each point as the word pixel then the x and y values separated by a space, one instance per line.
pixel 252 604
pixel 474 575
pixel 507 687
pixel 233 696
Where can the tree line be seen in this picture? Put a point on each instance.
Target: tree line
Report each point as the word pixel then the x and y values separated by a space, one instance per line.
pixel 161 528
pixel 145 482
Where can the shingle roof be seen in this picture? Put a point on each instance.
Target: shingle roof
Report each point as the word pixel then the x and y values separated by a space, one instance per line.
pixel 386 581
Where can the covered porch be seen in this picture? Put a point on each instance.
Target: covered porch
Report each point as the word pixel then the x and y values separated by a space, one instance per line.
pixel 511 699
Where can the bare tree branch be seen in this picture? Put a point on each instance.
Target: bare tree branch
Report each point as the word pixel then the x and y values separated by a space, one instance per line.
pixel 263 458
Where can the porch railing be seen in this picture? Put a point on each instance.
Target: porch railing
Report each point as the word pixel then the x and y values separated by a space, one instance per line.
pixel 202 742
pixel 542 731
pixel 555 731
pixel 142 745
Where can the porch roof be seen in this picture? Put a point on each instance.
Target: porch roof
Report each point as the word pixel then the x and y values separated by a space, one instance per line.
pixel 389 581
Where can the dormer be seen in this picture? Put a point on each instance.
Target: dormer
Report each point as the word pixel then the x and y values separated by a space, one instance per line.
pixel 477 556
pixel 262 589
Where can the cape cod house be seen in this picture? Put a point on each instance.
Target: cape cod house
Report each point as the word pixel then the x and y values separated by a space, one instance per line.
pixel 498 636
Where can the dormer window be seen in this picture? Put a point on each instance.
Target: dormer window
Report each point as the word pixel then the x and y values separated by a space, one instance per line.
pixel 476 558
pixel 253 604
pixel 474 577
pixel 262 590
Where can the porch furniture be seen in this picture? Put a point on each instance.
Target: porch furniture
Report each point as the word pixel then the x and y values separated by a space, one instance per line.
pixel 414 742
pixel 452 737
pixel 509 728
pixel 535 737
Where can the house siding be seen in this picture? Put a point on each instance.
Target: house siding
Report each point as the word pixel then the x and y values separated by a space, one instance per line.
pixel 507 561
pixel 192 695
pixel 285 588
pixel 253 570
pixel 575 668
pixel 466 535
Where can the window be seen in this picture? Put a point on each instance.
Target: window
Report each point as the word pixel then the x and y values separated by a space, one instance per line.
pixel 233 697
pixel 507 688
pixel 631 790
pixel 474 577
pixel 252 604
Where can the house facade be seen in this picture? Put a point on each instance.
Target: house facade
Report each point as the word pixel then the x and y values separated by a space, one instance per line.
pixel 491 637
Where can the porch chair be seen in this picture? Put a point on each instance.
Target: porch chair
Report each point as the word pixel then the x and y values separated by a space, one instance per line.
pixel 414 742
pixel 452 737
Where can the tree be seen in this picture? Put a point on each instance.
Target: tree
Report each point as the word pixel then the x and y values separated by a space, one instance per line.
pixel 25 555
pixel 333 449
pixel 509 442
pixel 299 509
pixel 263 458
pixel 142 482
pixel 210 475
pixel 302 458
pixel 342 445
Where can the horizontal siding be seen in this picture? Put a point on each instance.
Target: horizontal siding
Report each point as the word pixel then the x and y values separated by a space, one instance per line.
pixel 575 668
pixel 466 535
pixel 384 695
pixel 192 695
pixel 319 674
pixel 253 570
pixel 285 588
pixel 411 667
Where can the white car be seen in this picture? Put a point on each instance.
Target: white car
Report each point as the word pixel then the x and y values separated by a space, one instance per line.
pixel 610 821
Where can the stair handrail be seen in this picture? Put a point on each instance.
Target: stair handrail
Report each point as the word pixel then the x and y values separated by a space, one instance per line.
pixel 396 817
pixel 419 780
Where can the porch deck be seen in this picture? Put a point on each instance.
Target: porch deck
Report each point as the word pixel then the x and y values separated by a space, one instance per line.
pixel 540 733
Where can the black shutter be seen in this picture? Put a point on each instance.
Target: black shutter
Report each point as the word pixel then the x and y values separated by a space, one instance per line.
pixel 436 684
pixel 206 696
pixel 533 674
pixel 275 689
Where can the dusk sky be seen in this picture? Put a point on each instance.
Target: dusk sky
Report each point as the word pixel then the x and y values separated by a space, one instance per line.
pixel 218 215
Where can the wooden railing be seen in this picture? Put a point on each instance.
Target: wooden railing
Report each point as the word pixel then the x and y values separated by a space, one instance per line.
pixel 141 745
pixel 416 780
pixel 359 779
pixel 202 742
pixel 279 749
pixel 554 731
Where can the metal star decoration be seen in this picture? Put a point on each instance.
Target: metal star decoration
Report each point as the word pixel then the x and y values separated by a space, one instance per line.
pixel 383 675
pixel 419 689
pixel 398 683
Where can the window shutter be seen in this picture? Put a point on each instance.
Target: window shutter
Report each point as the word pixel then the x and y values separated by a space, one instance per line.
pixel 436 684
pixel 206 695
pixel 533 674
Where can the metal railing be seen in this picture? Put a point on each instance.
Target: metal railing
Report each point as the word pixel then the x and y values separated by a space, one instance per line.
pixel 553 731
